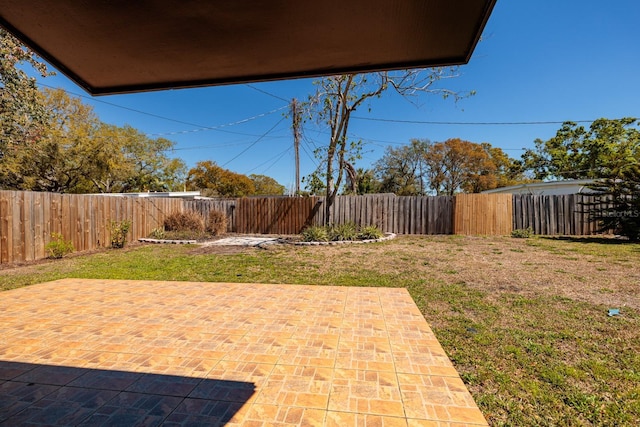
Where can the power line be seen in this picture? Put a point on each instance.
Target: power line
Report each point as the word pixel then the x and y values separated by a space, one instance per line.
pixel 286 150
pixel 254 142
pixel 121 106
pixel 238 122
pixel 424 122
pixel 157 116
pixel 275 162
pixel 266 93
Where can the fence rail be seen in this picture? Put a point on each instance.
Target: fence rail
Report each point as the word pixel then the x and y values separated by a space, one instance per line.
pixel 27 219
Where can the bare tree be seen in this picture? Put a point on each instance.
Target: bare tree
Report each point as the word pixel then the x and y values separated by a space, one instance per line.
pixel 337 97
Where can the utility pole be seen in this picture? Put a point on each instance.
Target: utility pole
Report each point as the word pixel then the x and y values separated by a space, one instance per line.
pixel 295 114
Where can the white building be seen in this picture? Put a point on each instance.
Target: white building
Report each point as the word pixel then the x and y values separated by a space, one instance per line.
pixel 571 186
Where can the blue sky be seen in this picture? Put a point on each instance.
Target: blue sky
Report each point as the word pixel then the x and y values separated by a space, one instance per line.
pixel 539 61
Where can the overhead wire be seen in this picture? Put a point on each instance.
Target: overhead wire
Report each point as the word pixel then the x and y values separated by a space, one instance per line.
pixel 199 127
pixel 254 142
pixel 267 93
pixel 270 159
pixel 426 122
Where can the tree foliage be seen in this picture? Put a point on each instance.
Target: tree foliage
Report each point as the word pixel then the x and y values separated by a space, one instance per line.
pixel 400 170
pixel 337 97
pixel 617 204
pixel 77 153
pixel 445 168
pixel 214 180
pixel 602 151
pixel 22 113
pixel 266 186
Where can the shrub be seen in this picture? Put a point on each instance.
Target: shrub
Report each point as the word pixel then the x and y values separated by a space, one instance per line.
pixel 522 233
pixel 217 223
pixel 370 232
pixel 184 221
pixel 59 247
pixel 315 234
pixel 346 231
pixel 119 231
pixel 157 233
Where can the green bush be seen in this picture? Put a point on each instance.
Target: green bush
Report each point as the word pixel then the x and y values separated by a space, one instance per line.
pixel 370 232
pixel 315 233
pixel 158 233
pixel 217 223
pixel 58 247
pixel 522 233
pixel 184 221
pixel 119 231
pixel 341 232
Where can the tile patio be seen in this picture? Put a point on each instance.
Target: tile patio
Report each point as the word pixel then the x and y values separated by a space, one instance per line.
pixel 109 352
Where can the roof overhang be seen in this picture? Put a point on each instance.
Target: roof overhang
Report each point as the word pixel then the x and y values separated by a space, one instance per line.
pixel 137 45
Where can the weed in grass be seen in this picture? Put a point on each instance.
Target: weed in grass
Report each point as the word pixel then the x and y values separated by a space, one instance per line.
pixel 58 246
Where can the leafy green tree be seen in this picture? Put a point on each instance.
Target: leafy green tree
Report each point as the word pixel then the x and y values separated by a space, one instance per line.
pixel 60 160
pixel 22 112
pixel 366 182
pixel 132 162
pixel 213 180
pixel 315 185
pixel 400 170
pixel 456 165
pixel 337 97
pixel 602 151
pixel 617 204
pixel 266 186
pixel 79 154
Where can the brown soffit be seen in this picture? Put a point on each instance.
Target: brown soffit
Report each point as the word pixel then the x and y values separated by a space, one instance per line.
pixel 118 46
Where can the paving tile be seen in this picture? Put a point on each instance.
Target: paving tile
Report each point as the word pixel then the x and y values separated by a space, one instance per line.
pixel 235 354
pixel 340 419
pixel 302 386
pixel 11 370
pixel 166 385
pixel 200 412
pixel 106 380
pixel 278 415
pixel 138 409
pixel 65 406
pixel 17 396
pixel 365 353
pixel 438 398
pixel 54 375
pixel 366 392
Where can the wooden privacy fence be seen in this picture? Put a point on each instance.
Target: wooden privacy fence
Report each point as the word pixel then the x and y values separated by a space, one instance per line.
pixel 282 215
pixel 269 215
pixel 483 214
pixel 560 214
pixel 394 214
pixel 27 220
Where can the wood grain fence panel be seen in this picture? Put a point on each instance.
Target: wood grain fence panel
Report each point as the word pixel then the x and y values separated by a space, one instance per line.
pixel 28 225
pixel 17 207
pixel 6 227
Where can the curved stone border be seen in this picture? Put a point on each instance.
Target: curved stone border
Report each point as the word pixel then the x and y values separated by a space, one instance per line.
pixel 175 242
pixel 387 236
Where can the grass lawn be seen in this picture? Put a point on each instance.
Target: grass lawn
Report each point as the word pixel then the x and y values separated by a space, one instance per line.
pixel 524 320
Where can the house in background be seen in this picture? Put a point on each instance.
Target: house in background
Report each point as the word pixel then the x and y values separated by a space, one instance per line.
pixel 571 186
